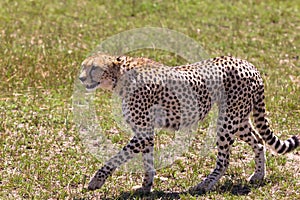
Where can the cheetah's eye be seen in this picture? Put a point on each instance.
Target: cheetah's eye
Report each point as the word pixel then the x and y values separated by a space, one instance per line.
pixel 93 68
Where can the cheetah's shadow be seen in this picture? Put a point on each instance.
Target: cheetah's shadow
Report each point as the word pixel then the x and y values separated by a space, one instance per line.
pixel 227 187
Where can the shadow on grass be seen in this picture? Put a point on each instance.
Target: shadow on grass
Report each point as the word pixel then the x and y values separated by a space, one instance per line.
pixel 228 187
pixel 152 195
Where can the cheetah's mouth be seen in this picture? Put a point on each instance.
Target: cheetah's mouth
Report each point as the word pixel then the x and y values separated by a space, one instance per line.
pixel 92 87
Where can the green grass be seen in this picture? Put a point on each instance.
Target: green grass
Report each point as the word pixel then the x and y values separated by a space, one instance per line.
pixel 42 44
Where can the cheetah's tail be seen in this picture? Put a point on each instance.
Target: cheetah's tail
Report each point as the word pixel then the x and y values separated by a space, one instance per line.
pixel 262 124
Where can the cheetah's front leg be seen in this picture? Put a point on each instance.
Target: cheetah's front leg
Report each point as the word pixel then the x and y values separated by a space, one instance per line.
pixel 148 161
pixel 136 145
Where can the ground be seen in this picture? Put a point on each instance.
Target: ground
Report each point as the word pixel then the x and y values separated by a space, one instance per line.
pixel 42 46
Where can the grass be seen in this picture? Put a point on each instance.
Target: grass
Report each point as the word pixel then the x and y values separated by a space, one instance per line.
pixel 42 46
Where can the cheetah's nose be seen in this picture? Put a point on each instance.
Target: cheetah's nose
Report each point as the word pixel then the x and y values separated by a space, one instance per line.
pixel 82 79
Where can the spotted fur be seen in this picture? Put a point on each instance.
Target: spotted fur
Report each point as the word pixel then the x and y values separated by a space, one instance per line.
pixel 155 95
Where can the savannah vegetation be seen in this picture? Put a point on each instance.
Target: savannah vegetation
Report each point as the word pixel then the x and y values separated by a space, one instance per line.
pixel 42 44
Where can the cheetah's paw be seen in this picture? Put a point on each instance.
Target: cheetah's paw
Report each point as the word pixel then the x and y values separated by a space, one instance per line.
pixel 143 190
pixel 95 183
pixel 257 178
pixel 203 187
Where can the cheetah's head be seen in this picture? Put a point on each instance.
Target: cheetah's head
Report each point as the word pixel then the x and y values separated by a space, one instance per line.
pixel 99 71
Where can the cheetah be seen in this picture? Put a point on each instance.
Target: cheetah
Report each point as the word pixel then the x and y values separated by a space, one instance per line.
pixel 185 94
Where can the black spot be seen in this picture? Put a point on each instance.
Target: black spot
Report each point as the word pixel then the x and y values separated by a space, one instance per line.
pixel 136 151
pixel 272 141
pixel 256 115
pixel 264 127
pixel 222 138
pixel 282 148
pixel 261 119
pixel 296 140
pixel 147 151
pixel 277 144
pixel 269 137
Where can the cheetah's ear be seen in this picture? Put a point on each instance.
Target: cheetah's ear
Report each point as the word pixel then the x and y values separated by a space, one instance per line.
pixel 120 60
